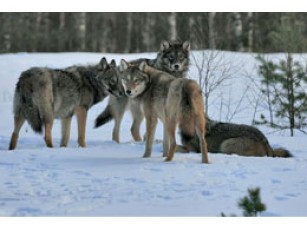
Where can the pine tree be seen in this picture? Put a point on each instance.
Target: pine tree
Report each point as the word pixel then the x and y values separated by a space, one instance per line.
pixel 252 204
pixel 284 86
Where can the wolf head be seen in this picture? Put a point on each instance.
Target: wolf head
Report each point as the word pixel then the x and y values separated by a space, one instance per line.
pixel 174 57
pixel 110 79
pixel 133 78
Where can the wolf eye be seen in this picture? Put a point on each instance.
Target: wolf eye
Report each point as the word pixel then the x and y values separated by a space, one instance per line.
pixel 113 81
pixel 181 56
pixel 171 57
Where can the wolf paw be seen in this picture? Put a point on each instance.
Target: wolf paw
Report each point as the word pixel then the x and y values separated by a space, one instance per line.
pixel 168 159
pixel 146 155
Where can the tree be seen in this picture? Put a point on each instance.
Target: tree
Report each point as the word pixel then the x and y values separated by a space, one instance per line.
pixel 252 204
pixel 211 28
pixel 250 32
pixel 284 85
pixel 82 30
pixel 238 31
pixel 213 70
pixel 172 19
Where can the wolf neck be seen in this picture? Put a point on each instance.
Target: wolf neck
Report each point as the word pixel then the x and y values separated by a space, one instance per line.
pixel 90 78
pixel 178 74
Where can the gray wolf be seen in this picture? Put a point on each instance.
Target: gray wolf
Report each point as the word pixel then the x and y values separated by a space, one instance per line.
pixel 229 138
pixel 175 101
pixel 172 58
pixel 43 94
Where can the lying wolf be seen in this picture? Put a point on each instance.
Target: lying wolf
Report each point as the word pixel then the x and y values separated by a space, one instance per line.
pixel 43 94
pixel 175 101
pixel 229 138
pixel 173 58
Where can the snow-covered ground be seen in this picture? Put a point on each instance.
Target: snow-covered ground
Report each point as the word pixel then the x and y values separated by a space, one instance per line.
pixel 109 179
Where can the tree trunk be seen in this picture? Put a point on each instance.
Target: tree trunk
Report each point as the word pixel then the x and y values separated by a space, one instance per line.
pixel 129 32
pixel 250 32
pixel 7 37
pixel 82 30
pixel 172 19
pixel 211 28
pixel 290 92
pixel 238 31
pixel 148 37
pixel 46 32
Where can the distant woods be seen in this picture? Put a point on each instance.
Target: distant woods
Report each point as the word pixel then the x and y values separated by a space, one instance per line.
pixel 142 32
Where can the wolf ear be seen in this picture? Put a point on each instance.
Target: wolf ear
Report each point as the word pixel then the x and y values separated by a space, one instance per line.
pixel 164 45
pixel 186 46
pixel 123 65
pixel 113 63
pixel 103 62
pixel 142 66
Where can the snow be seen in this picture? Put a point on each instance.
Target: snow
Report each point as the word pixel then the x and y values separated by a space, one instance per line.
pixel 109 179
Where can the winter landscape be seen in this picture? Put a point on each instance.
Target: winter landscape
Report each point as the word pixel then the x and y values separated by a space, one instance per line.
pixel 110 179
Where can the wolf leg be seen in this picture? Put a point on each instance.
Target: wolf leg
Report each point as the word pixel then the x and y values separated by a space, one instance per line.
pixel 151 124
pixel 18 122
pixel 48 133
pixel 165 140
pixel 172 132
pixel 81 118
pixel 66 124
pixel 201 132
pixel 118 107
pixel 138 116
pixel 118 117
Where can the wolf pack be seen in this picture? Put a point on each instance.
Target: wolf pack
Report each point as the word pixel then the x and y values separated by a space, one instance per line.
pixel 154 89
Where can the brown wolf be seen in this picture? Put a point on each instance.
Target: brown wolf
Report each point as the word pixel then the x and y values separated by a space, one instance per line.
pixel 172 100
pixel 229 138
pixel 43 94
pixel 172 58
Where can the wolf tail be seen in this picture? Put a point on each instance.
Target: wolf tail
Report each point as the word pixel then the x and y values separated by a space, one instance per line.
pixel 191 104
pixel 24 107
pixel 104 117
pixel 281 152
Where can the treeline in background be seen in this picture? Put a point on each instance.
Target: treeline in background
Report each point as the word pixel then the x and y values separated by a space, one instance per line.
pixel 133 32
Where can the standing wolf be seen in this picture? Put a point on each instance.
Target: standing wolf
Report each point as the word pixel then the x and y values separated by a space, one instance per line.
pixel 43 94
pixel 173 58
pixel 230 138
pixel 172 100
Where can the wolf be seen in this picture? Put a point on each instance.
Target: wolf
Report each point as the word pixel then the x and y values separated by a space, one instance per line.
pixel 43 94
pixel 175 101
pixel 173 58
pixel 230 138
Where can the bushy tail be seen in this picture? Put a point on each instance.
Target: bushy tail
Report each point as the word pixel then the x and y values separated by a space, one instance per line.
pixel 280 152
pixel 103 118
pixel 24 107
pixel 191 104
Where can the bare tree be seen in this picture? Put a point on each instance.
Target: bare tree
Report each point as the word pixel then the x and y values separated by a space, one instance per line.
pixel 232 107
pixel 213 70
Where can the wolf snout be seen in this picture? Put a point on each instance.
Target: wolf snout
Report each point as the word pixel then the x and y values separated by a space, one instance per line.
pixel 128 92
pixel 177 67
